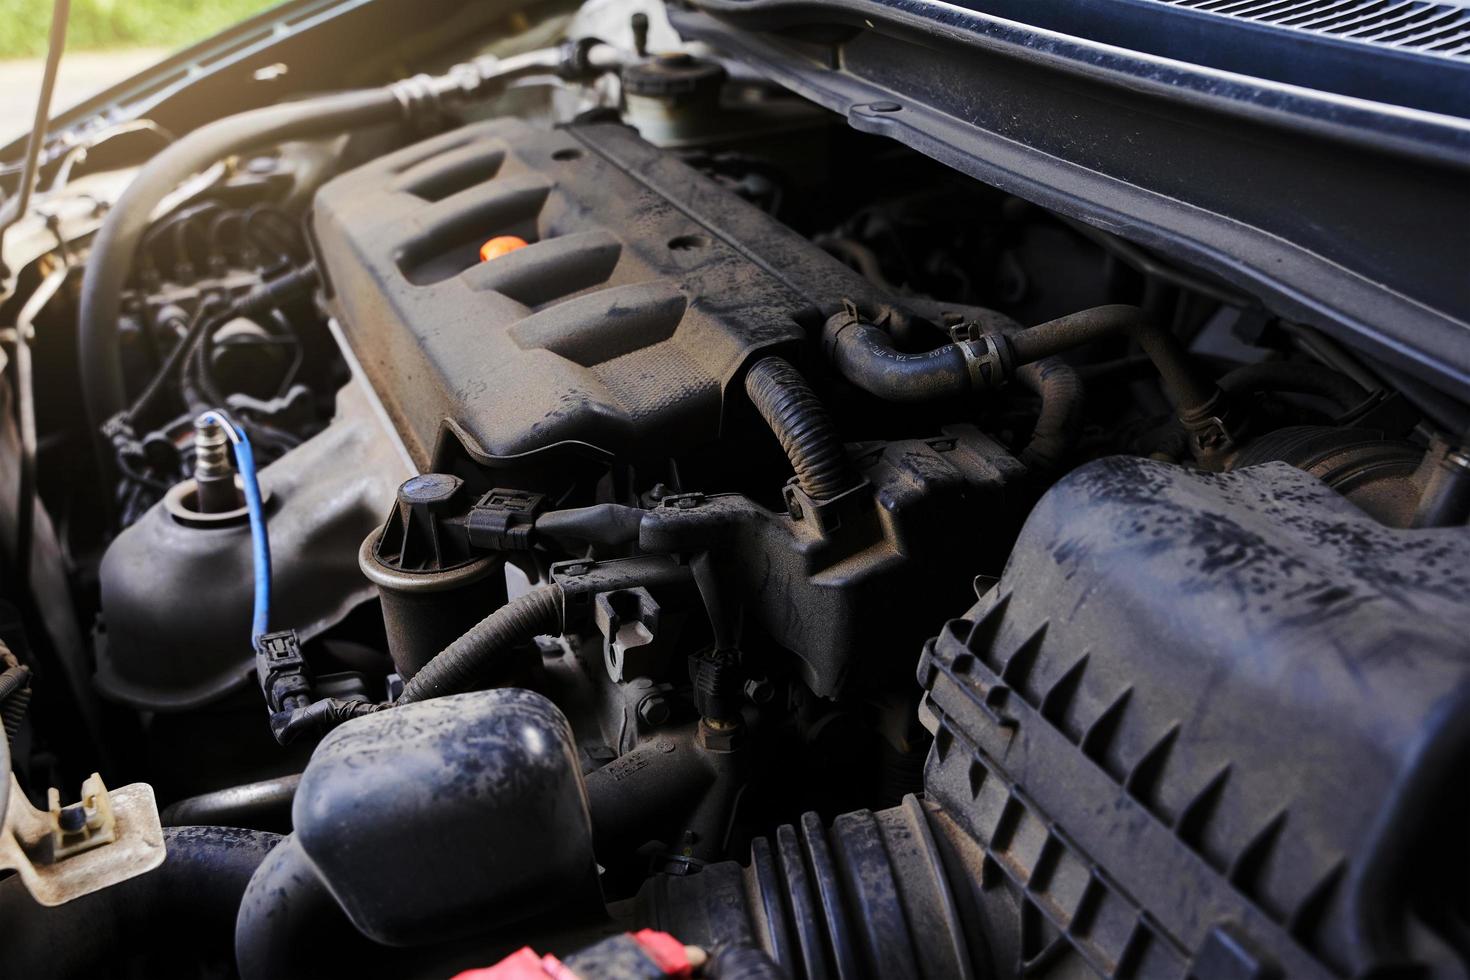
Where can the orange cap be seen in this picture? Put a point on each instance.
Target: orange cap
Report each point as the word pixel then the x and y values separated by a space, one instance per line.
pixel 500 245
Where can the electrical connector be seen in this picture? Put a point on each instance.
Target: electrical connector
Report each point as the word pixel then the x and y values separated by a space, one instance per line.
pixel 501 520
pixel 281 669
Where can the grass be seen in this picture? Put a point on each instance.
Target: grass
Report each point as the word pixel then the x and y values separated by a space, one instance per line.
pixel 98 25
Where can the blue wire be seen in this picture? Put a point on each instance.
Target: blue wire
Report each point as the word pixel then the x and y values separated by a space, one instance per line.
pixel 259 541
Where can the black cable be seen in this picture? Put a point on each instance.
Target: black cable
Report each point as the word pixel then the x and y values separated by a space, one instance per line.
pixel 114 248
pixel 147 248
pixel 176 359
pixel 15 691
pixel 266 296
pixel 218 248
pixel 466 662
pixel 800 423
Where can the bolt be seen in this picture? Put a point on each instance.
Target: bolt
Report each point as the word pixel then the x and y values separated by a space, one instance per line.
pixel 759 690
pixel 653 710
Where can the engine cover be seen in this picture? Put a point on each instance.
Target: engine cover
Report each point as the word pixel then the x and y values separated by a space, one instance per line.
pixel 643 290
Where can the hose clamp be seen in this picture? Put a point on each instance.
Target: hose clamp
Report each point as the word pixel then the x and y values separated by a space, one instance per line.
pixel 988 357
pixel 848 316
pixel 417 97
pixel 1214 428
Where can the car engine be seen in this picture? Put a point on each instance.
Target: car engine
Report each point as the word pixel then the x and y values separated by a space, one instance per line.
pixel 590 493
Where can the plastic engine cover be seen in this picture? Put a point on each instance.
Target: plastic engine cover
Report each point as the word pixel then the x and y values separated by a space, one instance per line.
pixel 643 290
pixel 1216 726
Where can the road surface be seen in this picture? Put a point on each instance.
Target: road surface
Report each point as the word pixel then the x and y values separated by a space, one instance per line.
pixel 82 74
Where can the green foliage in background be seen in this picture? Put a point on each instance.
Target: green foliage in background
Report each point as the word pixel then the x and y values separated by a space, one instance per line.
pixel 104 24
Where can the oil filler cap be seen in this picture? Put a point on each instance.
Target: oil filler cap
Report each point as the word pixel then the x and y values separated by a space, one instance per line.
pixel 501 245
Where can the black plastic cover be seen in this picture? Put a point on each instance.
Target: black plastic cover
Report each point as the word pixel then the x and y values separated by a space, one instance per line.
pixel 177 597
pixel 1217 726
pixel 642 292
pixel 448 817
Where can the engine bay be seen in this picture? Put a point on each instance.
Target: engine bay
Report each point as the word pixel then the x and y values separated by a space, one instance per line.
pixel 594 489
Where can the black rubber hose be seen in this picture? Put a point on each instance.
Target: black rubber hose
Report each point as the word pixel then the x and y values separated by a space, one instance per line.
pixel 1188 389
pixel 799 420
pixel 117 241
pixel 864 354
pixel 628 798
pixel 171 921
pixel 1301 379
pixel 289 925
pixel 291 928
pixel 1058 386
pixel 1056 383
pixel 266 802
pixel 463 664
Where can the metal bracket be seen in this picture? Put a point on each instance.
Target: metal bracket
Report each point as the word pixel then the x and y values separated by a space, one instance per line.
pixel 63 853
pixel 629 621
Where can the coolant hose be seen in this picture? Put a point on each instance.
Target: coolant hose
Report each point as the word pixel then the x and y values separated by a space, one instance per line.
pixel 463 664
pixel 796 415
pixel 1058 386
pixel 1189 390
pixel 173 918
pixel 864 354
pixel 117 240
pixel 1300 379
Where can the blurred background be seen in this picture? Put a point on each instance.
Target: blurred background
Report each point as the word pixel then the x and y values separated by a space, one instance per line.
pixel 106 41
